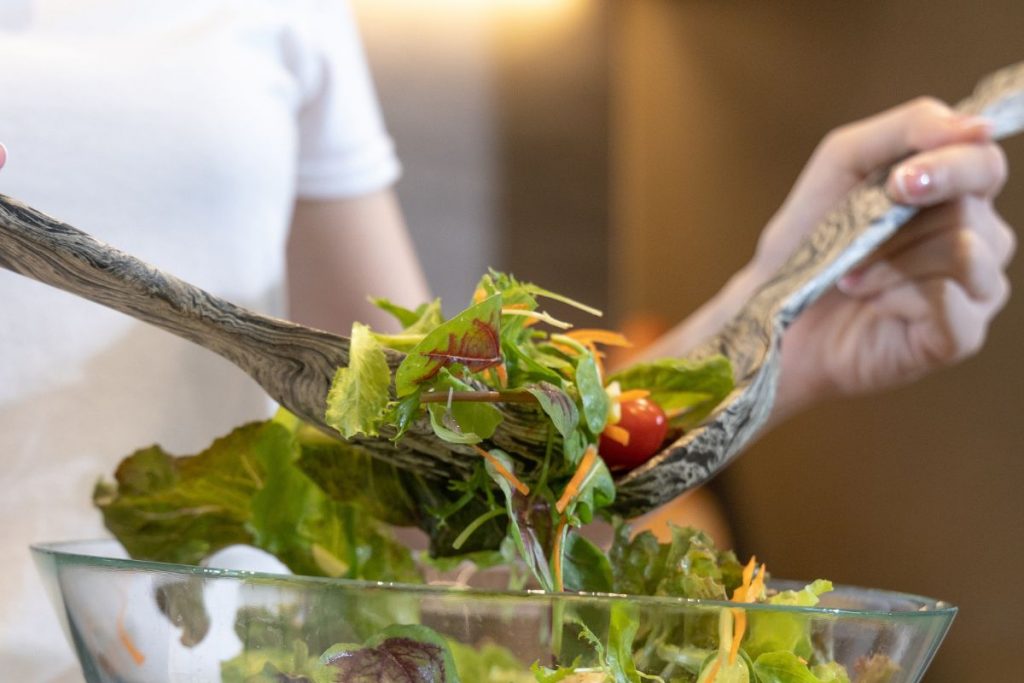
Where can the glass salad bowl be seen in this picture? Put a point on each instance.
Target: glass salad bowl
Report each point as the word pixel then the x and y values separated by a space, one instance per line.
pixel 152 622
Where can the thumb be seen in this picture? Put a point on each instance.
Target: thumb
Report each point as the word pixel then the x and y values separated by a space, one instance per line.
pixel 3 155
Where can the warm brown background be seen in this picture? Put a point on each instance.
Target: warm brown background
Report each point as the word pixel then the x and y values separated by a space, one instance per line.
pixel 717 107
pixel 630 151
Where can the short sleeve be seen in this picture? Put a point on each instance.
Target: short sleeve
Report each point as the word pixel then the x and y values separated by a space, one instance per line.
pixel 344 148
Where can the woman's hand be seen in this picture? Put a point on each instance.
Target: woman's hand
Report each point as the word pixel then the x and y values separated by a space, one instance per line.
pixel 3 155
pixel 926 298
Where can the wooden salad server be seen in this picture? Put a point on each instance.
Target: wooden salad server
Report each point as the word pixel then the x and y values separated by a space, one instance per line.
pixel 751 340
pixel 295 364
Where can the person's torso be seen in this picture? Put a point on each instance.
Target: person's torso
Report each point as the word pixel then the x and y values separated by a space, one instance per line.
pixel 166 129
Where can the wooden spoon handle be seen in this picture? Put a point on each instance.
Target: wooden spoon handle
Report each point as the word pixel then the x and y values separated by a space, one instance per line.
pixel 294 364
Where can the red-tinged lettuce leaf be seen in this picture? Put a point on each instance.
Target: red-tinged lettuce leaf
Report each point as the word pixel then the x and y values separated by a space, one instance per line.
pixel 558 406
pixel 470 339
pixel 529 522
pixel 679 385
pixel 358 396
pixel 398 654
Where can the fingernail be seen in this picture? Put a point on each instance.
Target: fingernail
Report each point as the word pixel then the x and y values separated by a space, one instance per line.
pixel 3 155
pixel 848 283
pixel 912 182
pixel 978 125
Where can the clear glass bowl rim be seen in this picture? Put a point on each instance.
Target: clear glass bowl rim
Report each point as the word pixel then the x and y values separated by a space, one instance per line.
pixel 925 607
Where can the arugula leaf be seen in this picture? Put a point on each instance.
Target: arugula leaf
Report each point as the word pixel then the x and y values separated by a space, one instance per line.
pixel 470 339
pixel 398 654
pixel 677 384
pixel 359 393
pixel 406 318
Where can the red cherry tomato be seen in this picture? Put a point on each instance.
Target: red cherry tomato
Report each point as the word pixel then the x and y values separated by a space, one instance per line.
pixel 647 426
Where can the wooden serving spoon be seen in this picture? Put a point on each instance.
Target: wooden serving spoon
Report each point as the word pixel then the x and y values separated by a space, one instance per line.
pixel 295 364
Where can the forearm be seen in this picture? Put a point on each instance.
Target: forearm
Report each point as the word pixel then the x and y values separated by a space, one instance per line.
pixel 342 251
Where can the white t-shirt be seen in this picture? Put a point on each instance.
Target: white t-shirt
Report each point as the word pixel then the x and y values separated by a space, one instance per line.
pixel 180 131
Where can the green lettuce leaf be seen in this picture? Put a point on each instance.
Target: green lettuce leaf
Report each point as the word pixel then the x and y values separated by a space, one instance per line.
pixel 782 630
pixel 783 667
pixel 676 384
pixel 245 489
pixel 358 396
pixel 585 567
pixel 558 406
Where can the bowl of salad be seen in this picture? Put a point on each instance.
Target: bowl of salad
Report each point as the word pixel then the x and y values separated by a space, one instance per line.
pixel 155 622
pixel 510 587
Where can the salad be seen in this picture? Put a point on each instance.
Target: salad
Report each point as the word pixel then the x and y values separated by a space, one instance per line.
pixel 325 507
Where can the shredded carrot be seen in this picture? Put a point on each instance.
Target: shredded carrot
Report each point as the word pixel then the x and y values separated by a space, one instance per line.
pixel 572 489
pixel 617 434
pixel 714 671
pixel 126 639
pixel 512 479
pixel 748 591
pixel 631 395
pixel 556 554
pixel 502 374
pixel 606 337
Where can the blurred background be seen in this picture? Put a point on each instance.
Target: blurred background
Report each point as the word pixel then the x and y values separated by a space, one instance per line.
pixel 629 153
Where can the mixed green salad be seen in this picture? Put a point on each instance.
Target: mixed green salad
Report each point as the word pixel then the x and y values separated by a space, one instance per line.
pixel 326 507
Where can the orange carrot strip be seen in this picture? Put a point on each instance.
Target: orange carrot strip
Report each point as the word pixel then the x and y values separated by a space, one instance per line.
pixel 606 337
pixel 502 373
pixel 748 591
pixel 503 471
pixel 617 434
pixel 632 395
pixel 556 554
pixel 126 640
pixel 572 489
pixel 714 671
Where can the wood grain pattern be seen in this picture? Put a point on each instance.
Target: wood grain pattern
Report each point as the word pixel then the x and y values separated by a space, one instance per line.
pixel 860 224
pixel 296 364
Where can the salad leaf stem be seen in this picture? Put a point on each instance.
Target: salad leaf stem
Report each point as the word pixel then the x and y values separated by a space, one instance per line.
pixel 479 397
pixel 474 525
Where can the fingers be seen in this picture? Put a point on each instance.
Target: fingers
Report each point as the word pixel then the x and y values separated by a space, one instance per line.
pixel 965 241
pixel 922 124
pixel 3 155
pixel 944 323
pixel 947 173
pixel 957 255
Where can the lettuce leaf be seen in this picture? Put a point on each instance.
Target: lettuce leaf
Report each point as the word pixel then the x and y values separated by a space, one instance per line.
pixel 358 397
pixel 245 489
pixel 679 385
